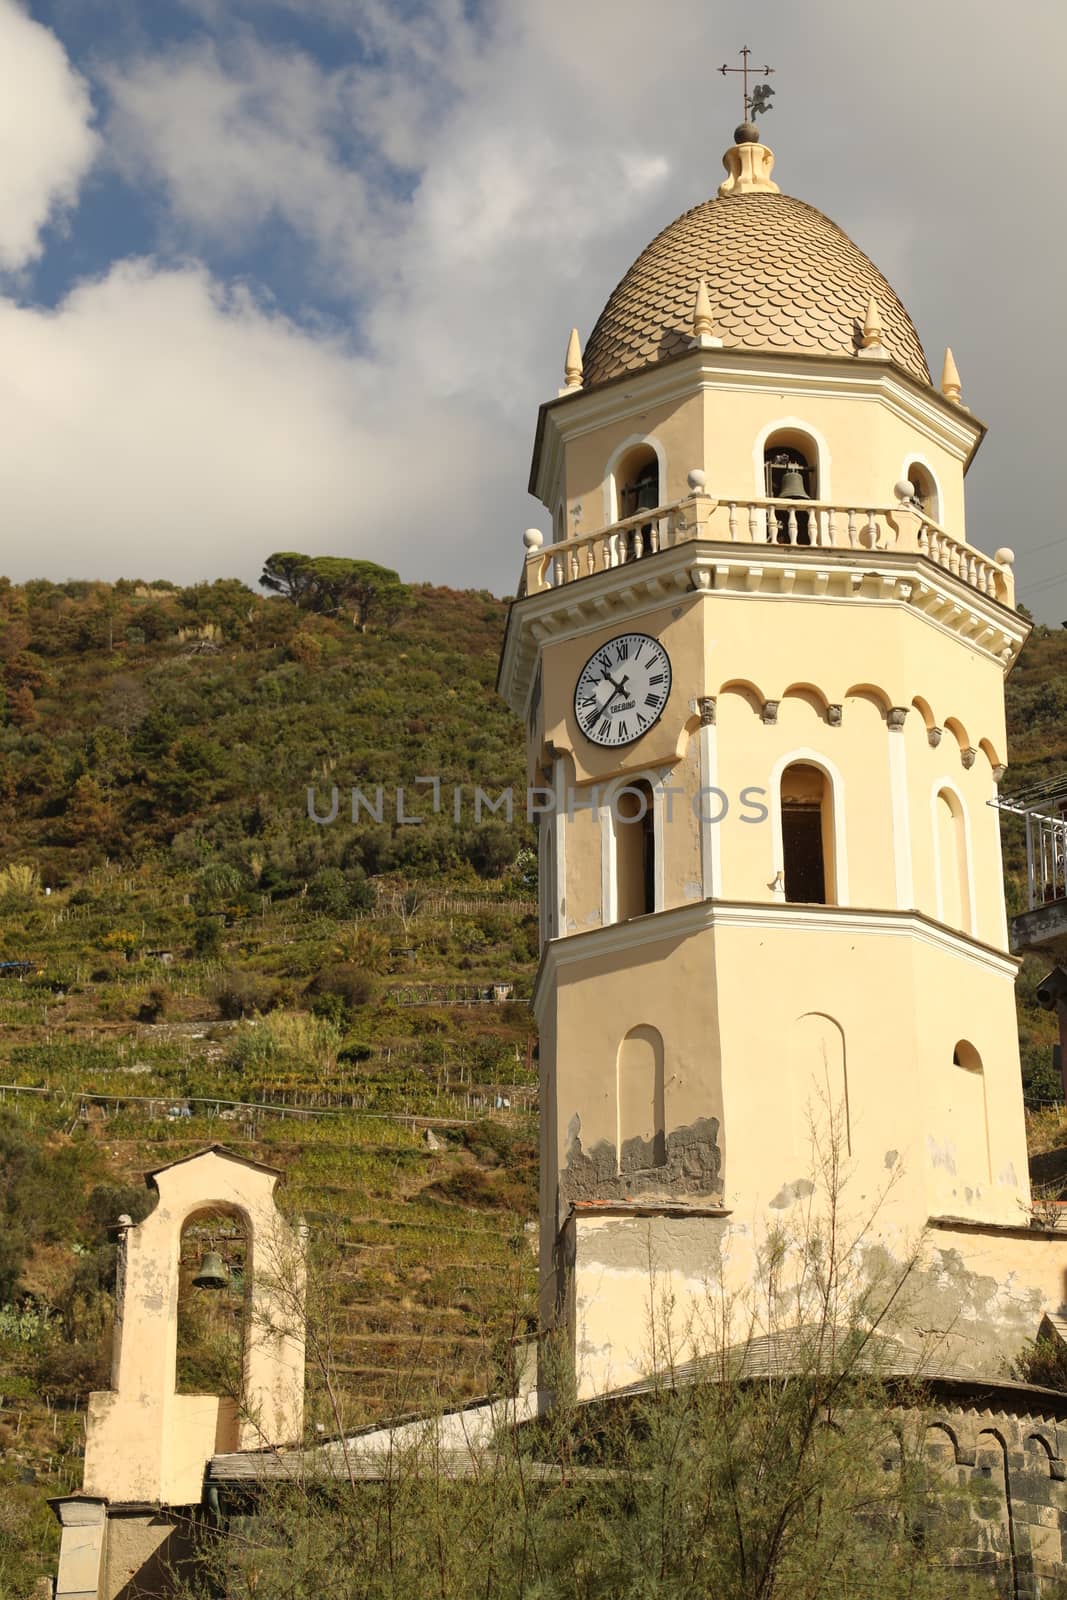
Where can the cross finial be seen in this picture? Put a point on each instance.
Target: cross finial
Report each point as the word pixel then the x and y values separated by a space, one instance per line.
pixel 758 100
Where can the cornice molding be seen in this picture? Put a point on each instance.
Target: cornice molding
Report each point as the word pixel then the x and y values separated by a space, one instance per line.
pixel 592 944
pixel 765 573
pixel 789 373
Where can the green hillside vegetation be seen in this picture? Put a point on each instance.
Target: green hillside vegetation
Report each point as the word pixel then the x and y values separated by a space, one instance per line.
pixel 190 960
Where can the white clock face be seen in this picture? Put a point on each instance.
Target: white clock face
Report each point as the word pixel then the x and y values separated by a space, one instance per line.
pixel 623 689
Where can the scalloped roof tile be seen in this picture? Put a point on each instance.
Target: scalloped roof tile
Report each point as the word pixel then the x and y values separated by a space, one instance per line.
pixel 780 275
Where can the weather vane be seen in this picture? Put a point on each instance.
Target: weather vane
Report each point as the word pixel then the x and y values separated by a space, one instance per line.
pixel 759 99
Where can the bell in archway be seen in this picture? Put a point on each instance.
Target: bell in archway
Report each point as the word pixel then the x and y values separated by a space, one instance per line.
pixel 793 485
pixel 212 1273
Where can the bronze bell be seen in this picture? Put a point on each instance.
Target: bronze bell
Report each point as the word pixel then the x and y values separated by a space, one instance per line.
pixel 212 1273
pixel 793 485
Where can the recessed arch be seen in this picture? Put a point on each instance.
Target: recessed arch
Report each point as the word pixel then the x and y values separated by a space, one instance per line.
pixel 836 866
pixel 989 751
pixel 953 862
pixel 870 691
pixel 641 1113
pixel 749 692
pixel 819 1086
pixel 625 458
pixel 811 694
pixel 954 726
pixel 926 488
pixel 923 708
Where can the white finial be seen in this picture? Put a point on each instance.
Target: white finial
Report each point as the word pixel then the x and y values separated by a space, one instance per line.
pixel 703 326
pixel 572 366
pixel 533 538
pixel 950 378
pixel 871 337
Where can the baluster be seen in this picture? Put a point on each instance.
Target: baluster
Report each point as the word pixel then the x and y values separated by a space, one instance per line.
pixel 924 539
pixel 817 521
pixel 852 529
pixel 954 560
pixel 832 530
pixel 753 524
pixel 770 525
pixel 590 557
pixel 873 533
pixel 653 537
pixel 639 543
pixel 733 521
pixel 935 546
pixel 791 526
pixel 576 570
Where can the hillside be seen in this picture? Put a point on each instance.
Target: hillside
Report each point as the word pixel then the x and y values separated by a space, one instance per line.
pixel 188 959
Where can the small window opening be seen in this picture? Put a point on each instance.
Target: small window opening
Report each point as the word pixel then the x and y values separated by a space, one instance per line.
pixel 789 475
pixel 640 492
pixel 635 833
pixel 967 1057
pixel 923 496
pixel 807 841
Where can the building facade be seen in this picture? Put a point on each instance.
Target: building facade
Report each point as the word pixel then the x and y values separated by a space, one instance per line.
pixel 761 670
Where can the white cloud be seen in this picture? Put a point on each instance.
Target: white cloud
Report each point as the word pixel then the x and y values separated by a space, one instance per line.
pixel 159 424
pixel 472 181
pixel 47 143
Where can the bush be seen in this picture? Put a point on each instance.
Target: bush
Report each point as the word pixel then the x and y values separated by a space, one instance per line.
pixel 333 893
pixel 243 994
pixel 345 988
pixel 207 937
pixel 156 1004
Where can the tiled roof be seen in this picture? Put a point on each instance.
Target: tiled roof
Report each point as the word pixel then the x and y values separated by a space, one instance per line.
pixel 780 276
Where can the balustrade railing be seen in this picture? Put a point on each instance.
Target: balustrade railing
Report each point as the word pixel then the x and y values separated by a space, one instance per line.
pixel 1046 858
pixel 800 524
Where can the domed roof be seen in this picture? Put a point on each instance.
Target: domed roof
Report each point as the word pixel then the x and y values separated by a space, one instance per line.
pixel 780 276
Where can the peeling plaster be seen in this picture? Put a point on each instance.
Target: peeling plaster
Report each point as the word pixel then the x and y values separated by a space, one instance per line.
pixel 690 1163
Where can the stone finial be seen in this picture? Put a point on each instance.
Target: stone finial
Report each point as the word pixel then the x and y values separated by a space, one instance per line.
pixel 703 326
pixel 950 378
pixel 697 480
pixel 870 341
pixel 533 539
pixel 572 365
pixel 748 165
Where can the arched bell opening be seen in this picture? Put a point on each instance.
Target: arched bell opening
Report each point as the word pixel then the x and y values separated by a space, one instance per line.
pixel 925 497
pixel 635 850
pixel 213 1299
pixel 807 835
pixel 639 489
pixel 790 470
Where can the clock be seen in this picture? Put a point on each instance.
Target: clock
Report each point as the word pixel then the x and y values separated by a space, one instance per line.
pixel 622 689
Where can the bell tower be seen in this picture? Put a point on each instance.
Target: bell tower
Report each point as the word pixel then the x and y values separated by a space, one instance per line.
pixel 761 670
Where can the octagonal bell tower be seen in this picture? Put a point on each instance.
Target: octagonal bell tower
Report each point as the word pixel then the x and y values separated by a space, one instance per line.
pixel 761 670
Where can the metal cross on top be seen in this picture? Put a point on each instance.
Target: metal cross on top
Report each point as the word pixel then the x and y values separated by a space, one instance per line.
pixel 761 92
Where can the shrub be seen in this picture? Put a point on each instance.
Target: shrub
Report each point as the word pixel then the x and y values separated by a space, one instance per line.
pixel 242 994
pixel 207 937
pixel 156 1003
pixel 352 986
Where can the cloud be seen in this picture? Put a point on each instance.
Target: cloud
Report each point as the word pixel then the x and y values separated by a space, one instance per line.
pixel 46 136
pixel 469 180
pixel 158 423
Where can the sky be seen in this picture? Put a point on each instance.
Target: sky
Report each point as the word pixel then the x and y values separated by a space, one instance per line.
pixel 296 274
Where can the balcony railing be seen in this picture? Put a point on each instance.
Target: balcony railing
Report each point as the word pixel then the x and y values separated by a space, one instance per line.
pixel 812 524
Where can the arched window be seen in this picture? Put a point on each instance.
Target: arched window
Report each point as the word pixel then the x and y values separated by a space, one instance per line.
pixel 807 835
pixel 966 1056
pixel 642 1133
pixel 924 495
pixel 635 850
pixel 639 490
pixel 790 469
pixel 953 888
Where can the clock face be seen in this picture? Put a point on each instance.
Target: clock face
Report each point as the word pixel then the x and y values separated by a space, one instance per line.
pixel 623 689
